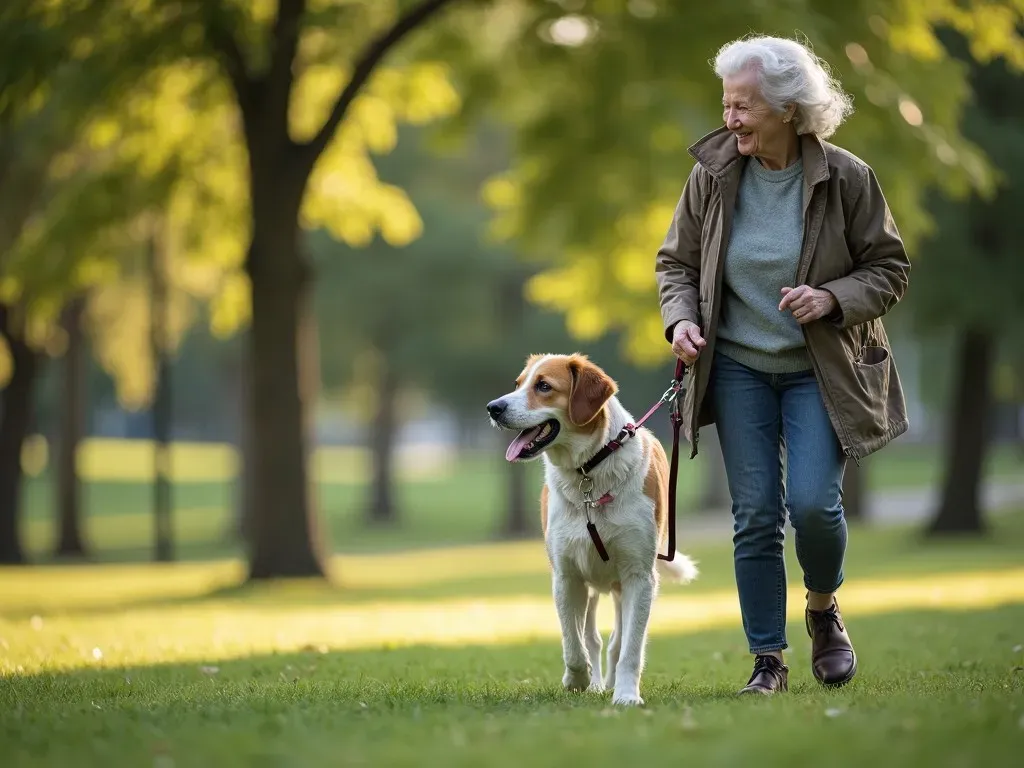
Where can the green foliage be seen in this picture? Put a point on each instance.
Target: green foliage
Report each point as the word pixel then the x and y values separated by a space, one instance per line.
pixel 606 98
pixel 975 275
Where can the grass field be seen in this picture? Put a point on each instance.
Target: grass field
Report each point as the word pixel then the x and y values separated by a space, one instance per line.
pixel 451 657
pixel 443 499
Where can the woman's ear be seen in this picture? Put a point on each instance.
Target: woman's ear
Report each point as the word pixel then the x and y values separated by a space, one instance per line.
pixel 591 389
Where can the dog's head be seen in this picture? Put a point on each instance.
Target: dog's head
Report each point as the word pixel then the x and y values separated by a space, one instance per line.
pixel 557 400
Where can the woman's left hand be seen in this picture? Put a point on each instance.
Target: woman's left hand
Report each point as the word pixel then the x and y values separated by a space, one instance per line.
pixel 807 304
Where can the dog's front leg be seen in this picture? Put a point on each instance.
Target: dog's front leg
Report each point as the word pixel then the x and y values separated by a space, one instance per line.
pixel 570 593
pixel 637 596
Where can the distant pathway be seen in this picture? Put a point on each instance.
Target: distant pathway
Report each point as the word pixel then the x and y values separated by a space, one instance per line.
pixel 907 506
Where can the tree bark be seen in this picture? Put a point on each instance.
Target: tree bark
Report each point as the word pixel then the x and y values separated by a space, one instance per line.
pixel 384 431
pixel 16 402
pixel 70 542
pixel 853 492
pixel 960 509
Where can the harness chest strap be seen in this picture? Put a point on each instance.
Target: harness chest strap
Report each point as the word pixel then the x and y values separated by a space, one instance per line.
pixel 671 396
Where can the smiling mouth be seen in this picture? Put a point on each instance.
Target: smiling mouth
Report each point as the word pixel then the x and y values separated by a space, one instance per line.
pixel 532 441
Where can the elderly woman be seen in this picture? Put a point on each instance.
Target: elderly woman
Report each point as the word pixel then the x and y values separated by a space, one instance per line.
pixel 780 260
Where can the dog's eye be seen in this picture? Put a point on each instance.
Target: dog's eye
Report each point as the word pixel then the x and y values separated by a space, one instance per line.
pixel 543 386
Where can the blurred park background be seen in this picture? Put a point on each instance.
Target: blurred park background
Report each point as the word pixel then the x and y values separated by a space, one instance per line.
pixel 263 263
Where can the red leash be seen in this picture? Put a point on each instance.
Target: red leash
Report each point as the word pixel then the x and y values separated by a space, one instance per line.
pixel 671 396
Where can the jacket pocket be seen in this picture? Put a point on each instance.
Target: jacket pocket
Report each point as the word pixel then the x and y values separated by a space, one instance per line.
pixel 873 368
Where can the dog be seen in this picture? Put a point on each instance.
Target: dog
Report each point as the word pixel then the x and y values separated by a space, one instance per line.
pixel 566 408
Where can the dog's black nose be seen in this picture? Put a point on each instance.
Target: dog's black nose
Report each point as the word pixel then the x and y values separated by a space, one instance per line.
pixel 496 407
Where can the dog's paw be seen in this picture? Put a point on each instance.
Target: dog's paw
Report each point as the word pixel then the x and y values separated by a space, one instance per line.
pixel 576 680
pixel 627 699
pixel 596 686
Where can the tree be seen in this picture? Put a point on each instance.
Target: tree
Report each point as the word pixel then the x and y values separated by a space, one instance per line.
pixel 600 168
pixel 73 396
pixel 975 278
pixel 302 55
pixel 45 93
pixel 16 411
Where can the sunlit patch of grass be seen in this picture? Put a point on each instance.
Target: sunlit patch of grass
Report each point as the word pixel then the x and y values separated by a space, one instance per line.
pixel 284 620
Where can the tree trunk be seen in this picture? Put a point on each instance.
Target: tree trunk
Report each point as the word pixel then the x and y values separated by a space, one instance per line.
pixel 162 409
pixel 240 525
pixel 517 524
pixel 959 510
pixel 382 510
pixel 715 495
pixel 853 492
pixel 283 523
pixel 16 403
pixel 70 543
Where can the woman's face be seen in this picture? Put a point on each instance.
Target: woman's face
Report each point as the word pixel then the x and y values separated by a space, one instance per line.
pixel 758 130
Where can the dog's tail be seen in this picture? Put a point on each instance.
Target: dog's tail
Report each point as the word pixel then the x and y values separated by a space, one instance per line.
pixel 680 569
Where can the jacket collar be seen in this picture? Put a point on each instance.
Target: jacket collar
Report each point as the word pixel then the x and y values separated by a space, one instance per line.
pixel 717 152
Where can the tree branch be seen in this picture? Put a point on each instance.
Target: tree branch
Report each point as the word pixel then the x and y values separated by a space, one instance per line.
pixel 284 45
pixel 365 64
pixel 227 50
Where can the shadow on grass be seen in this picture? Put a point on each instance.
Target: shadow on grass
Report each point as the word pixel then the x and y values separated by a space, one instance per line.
pixel 415 577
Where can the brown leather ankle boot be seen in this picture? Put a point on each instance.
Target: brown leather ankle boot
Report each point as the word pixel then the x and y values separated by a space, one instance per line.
pixel 833 660
pixel 770 676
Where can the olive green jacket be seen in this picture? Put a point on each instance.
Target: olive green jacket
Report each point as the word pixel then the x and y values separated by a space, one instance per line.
pixel 851 247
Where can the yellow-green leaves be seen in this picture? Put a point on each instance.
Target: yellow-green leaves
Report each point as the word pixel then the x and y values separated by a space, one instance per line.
pixel 344 194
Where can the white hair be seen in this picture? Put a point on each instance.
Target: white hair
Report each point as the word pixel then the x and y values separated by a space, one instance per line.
pixel 789 73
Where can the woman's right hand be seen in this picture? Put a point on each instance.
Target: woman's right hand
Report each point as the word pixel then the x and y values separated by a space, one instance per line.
pixel 687 341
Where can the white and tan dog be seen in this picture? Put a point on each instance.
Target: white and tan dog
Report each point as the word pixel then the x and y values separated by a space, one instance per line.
pixel 566 409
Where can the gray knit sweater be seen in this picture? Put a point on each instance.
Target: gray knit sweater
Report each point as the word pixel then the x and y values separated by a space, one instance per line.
pixel 762 256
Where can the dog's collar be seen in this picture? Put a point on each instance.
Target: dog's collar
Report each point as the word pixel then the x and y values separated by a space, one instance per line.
pixel 608 448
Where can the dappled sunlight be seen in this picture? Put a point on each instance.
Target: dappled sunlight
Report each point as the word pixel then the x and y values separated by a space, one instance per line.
pixel 217 628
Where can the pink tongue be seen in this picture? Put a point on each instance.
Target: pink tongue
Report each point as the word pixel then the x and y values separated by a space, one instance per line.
pixel 517 445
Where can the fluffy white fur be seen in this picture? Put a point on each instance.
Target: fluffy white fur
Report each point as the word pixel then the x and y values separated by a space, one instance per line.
pixel 628 529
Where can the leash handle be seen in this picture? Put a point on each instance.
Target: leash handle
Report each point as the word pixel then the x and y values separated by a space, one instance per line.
pixel 673 472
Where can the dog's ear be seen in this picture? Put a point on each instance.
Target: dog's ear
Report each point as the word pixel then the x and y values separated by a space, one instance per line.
pixel 591 388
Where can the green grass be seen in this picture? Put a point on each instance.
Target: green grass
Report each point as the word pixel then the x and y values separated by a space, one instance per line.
pixel 451 502
pixel 451 657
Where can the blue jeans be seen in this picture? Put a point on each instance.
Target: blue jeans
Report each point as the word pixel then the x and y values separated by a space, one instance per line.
pixel 768 425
